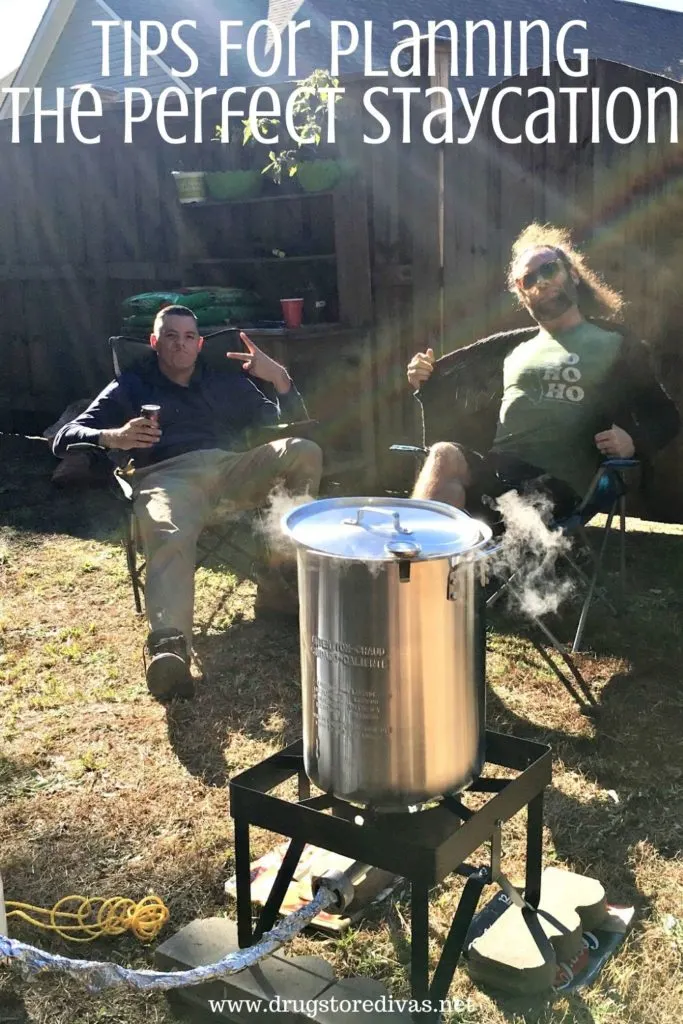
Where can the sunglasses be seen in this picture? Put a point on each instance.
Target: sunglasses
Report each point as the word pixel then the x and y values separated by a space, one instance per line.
pixel 545 272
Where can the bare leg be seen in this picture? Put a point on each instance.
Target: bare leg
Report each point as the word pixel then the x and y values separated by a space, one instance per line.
pixel 445 475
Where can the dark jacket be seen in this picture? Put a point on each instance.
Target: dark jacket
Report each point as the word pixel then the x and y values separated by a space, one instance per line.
pixel 461 400
pixel 219 409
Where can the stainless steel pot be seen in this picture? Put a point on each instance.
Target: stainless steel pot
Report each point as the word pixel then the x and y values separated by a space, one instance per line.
pixel 392 632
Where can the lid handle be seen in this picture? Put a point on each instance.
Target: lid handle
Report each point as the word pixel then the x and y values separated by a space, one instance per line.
pixel 380 511
pixel 403 548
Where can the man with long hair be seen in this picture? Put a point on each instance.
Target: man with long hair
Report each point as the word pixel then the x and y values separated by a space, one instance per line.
pixel 557 398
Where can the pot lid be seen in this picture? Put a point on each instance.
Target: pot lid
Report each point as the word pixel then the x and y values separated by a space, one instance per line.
pixel 384 529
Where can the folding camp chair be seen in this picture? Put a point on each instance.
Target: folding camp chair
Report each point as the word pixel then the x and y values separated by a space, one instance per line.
pixel 236 535
pixel 606 495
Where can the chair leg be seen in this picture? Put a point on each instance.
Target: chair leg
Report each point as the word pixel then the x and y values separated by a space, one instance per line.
pixel 593 582
pixel 497 594
pixel 622 544
pixel 586 582
pixel 579 681
pixel 590 701
pixel 131 558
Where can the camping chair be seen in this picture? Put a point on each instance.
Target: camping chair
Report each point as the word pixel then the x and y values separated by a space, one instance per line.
pixel 235 535
pixel 606 495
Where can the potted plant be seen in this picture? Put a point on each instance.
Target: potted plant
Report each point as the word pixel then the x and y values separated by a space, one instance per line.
pixel 190 184
pixel 302 158
pixel 234 183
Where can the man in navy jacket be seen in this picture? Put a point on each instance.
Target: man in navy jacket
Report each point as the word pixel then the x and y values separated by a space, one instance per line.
pixel 195 456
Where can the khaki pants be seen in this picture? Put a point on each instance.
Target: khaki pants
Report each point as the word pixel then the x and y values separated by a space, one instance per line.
pixel 175 499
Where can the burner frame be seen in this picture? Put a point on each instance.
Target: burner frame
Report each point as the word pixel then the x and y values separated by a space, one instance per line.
pixel 423 847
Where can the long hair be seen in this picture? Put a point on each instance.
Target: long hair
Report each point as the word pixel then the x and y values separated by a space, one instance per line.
pixel 595 297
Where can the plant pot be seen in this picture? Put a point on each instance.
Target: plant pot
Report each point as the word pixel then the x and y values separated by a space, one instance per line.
pixel 319 175
pixel 190 185
pixel 233 184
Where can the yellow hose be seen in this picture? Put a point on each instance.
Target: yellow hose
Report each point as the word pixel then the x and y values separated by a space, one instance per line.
pixel 115 916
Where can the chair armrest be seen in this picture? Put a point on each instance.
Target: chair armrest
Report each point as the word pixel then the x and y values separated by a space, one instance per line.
pixel 410 449
pixel 609 465
pixel 119 486
pixel 417 451
pixel 273 431
pixel 125 491
pixel 620 463
pixel 294 425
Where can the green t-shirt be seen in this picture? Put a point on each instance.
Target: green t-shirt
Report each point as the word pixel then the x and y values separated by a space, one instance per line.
pixel 551 404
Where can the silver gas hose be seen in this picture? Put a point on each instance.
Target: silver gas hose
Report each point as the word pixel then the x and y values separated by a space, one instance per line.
pixel 332 890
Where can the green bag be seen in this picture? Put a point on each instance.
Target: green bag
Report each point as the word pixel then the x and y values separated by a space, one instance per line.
pixel 217 315
pixel 200 298
pixel 149 302
pixel 139 320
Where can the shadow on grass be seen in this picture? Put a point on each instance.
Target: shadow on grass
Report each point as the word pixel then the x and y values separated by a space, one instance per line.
pixel 252 687
pixel 54 995
pixel 545 1012
pixel 30 503
pixel 649 619
pixel 633 755
pixel 12 1007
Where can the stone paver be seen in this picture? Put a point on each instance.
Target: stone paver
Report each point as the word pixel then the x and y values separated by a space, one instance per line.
pixel 269 990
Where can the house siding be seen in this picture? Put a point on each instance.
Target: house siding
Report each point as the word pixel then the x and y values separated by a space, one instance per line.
pixel 77 58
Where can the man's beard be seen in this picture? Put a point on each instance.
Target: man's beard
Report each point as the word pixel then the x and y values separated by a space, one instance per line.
pixel 550 308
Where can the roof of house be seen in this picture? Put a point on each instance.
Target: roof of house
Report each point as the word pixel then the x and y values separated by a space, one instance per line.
pixel 7 79
pixel 645 38
pixel 621 31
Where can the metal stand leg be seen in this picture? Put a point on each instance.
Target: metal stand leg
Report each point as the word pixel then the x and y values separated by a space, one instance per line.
pixel 534 851
pixel 451 834
pixel 303 786
pixel 243 884
pixel 457 935
pixel 278 892
pixel 419 941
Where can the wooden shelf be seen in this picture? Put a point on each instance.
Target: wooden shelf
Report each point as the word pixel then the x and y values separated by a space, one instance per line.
pixel 273 197
pixel 319 333
pixel 325 327
pixel 327 256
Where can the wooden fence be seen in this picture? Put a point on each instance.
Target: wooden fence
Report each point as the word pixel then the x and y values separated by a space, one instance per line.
pixel 623 204
pixel 81 227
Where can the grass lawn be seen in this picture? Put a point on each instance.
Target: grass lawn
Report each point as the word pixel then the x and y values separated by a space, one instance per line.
pixel 104 792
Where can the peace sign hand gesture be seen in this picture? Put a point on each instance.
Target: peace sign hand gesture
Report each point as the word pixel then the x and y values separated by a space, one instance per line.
pixel 258 364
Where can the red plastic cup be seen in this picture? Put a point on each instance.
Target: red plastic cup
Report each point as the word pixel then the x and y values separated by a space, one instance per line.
pixel 292 311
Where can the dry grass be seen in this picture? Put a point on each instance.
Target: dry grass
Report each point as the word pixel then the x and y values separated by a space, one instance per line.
pixel 104 792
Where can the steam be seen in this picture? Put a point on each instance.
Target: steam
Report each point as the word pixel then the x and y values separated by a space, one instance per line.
pixel 279 503
pixel 281 548
pixel 529 552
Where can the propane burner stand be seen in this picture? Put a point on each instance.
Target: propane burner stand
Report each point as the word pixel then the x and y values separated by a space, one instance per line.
pixel 422 847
